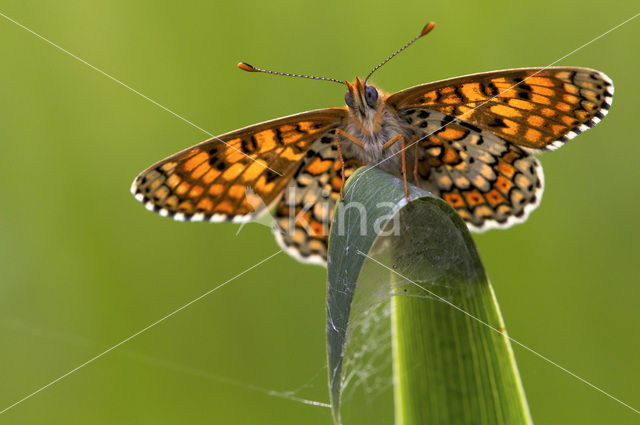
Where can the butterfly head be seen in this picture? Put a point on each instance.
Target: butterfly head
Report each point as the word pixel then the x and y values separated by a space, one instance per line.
pixel 363 100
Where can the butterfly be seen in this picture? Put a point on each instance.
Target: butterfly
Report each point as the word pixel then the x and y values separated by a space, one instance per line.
pixel 468 140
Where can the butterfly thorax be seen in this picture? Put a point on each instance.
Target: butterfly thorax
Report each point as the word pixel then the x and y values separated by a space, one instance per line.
pixel 374 123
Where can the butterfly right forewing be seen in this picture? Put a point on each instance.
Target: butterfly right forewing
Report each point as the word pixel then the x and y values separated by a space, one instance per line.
pixel 536 108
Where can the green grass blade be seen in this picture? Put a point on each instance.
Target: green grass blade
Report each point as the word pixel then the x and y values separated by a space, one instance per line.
pixel 420 291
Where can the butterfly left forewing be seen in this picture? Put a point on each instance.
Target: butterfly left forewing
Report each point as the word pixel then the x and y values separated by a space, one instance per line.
pixel 209 181
pixel 536 108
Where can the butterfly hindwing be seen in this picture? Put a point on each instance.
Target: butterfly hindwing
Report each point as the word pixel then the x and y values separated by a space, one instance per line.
pixel 304 214
pixel 490 182
pixel 209 181
pixel 535 108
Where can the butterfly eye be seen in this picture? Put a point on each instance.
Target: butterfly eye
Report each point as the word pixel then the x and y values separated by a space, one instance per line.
pixel 348 100
pixel 371 95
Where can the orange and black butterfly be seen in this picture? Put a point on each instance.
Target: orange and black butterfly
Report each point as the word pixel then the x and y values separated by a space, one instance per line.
pixel 469 140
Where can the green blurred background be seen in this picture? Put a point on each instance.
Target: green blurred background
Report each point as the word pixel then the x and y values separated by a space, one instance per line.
pixel 83 265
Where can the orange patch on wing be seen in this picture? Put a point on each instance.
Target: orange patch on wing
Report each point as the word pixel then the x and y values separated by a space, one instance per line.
pixel 290 155
pixel 510 157
pixel 570 98
pixel 512 127
pixel 506 90
pixel 182 188
pixel 464 110
pixel 521 104
pixel 317 228
pixel 558 129
pixel 171 202
pixel 236 191
pixel 302 219
pixel 570 88
pixel 232 172
pixel 195 160
pixel 336 182
pixel 494 197
pixel 581 114
pixel 173 181
pixel 210 176
pixel 453 99
pixel 505 111
pixel 504 184
pixel 450 156
pixel 200 170
pixel 205 204
pixel 233 155
pixel 474 198
pixel 287 127
pixel 535 120
pixel 540 99
pixel 306 126
pixel 548 112
pixel 543 91
pixel 261 186
pixel 452 133
pixel 454 199
pixel 506 169
pixel 472 92
pixel 532 135
pixel 570 121
pixel 224 207
pixel 196 191
pixel 289 138
pixel 563 106
pixel 318 166
pixel 540 81
pixel 266 140
pixel 429 97
pixel 253 171
pixel 185 206
pixel 216 189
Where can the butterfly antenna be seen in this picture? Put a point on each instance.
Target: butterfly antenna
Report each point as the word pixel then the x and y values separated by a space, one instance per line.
pixel 427 28
pixel 250 68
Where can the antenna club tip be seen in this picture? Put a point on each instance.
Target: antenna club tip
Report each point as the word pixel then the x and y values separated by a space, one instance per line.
pixel 246 67
pixel 427 28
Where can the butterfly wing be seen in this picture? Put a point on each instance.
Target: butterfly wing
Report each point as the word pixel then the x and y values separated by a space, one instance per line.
pixel 489 181
pixel 535 108
pixel 304 214
pixel 209 181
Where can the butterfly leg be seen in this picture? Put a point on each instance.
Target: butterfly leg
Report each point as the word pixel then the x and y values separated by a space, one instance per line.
pixel 341 165
pixel 415 166
pixel 390 143
pixel 355 140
